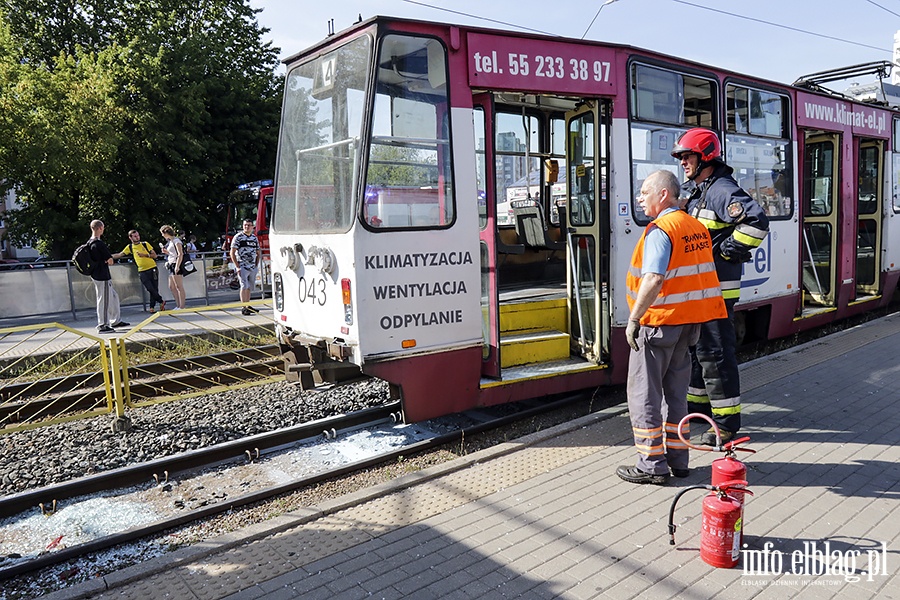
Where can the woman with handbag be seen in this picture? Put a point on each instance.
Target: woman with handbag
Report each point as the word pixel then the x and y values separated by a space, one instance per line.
pixel 175 262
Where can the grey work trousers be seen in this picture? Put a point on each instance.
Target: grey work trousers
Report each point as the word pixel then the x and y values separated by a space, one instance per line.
pixel 658 377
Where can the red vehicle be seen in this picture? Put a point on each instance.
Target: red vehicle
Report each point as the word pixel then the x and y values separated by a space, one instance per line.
pixel 251 201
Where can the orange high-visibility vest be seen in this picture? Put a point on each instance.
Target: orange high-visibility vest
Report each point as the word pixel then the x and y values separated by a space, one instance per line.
pixel 690 292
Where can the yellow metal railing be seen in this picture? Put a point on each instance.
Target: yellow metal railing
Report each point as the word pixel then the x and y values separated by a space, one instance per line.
pixel 52 373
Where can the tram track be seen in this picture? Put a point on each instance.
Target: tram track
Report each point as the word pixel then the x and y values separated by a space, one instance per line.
pixel 479 422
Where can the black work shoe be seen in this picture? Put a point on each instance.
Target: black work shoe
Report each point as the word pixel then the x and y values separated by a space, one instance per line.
pixel 105 329
pixel 246 312
pixel 709 438
pixel 635 475
pixel 253 308
pixel 121 324
pixel 681 473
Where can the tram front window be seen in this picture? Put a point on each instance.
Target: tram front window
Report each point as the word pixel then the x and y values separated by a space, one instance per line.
pixel 319 141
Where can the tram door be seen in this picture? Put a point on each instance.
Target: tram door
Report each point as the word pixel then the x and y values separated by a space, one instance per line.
pixel 870 195
pixel 821 218
pixel 483 112
pixel 586 233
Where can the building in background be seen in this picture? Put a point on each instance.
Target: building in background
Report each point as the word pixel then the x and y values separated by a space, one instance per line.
pixel 8 250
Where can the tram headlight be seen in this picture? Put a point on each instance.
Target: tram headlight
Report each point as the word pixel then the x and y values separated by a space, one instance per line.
pixel 278 292
pixel 347 299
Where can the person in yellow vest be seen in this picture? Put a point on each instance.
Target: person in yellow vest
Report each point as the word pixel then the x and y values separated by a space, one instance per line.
pixel 145 259
pixel 672 288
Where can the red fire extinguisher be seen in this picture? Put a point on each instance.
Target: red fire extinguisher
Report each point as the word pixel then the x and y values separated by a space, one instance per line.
pixel 721 525
pixel 723 509
pixel 727 468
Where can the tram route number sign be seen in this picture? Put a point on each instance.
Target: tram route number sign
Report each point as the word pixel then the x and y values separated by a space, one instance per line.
pixel 540 66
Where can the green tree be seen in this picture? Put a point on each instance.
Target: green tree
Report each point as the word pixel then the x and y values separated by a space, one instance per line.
pixel 61 130
pixel 189 90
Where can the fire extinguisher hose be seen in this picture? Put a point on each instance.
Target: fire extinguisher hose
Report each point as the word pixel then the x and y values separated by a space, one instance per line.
pixel 678 496
pixel 719 447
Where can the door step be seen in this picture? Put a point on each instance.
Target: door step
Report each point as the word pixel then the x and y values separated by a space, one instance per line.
pixel 529 316
pixel 533 347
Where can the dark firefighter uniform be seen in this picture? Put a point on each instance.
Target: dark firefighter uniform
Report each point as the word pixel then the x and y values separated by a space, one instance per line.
pixel 737 225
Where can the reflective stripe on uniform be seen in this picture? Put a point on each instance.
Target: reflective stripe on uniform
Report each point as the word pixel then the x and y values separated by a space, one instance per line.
pixel 749 235
pixel 673 442
pixel 726 402
pixel 648 441
pixel 730 289
pixel 701 398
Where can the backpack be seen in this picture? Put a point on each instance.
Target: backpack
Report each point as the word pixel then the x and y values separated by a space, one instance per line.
pixel 82 260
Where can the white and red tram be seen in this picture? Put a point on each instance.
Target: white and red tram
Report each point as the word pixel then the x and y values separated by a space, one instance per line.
pixel 401 139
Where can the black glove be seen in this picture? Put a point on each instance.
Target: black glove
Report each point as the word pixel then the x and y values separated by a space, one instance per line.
pixel 631 333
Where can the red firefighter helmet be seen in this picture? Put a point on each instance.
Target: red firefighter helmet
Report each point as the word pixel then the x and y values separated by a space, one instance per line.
pixel 701 141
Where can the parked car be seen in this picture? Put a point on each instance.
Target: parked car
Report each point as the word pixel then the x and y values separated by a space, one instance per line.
pixel 8 264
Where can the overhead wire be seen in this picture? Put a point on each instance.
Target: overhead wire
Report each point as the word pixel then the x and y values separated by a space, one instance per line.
pixel 686 3
pixel 471 16
pixel 773 24
pixel 883 8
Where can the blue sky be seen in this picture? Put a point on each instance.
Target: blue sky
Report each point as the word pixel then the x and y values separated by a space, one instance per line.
pixel 864 28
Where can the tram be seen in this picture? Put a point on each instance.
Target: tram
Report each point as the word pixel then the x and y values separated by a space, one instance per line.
pixel 455 206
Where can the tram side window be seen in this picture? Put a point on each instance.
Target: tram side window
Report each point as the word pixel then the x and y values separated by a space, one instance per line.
pixel 664 104
pixel 755 112
pixel 409 175
pixel 665 96
pixel 762 167
pixel 757 147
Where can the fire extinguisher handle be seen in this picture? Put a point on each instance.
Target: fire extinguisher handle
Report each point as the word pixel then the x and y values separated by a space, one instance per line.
pixel 733 445
pixel 735 484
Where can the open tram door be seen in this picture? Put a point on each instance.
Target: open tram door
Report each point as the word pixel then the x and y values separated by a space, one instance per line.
pixel 821 220
pixel 483 112
pixel 587 223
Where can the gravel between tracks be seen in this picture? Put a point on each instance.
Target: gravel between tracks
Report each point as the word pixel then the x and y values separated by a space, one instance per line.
pixel 56 453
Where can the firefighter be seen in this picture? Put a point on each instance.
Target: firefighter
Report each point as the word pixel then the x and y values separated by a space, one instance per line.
pixel 738 225
pixel 672 287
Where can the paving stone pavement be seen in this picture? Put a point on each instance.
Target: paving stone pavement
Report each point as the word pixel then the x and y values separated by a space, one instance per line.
pixel 546 517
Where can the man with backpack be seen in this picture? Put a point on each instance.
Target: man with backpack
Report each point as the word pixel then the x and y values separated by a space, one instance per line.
pixel 145 258
pixel 108 315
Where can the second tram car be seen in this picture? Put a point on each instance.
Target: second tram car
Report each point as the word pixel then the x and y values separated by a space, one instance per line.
pixel 455 207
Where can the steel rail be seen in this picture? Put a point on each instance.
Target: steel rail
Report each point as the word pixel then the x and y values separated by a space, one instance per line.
pixel 136 533
pixel 255 445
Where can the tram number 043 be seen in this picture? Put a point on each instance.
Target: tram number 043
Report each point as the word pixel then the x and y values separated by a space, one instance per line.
pixel 555 67
pixel 312 291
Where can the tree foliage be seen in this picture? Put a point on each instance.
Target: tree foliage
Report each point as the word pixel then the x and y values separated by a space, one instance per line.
pixel 139 113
